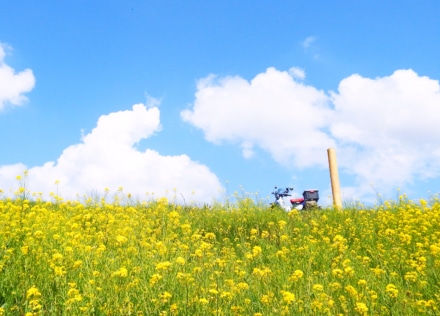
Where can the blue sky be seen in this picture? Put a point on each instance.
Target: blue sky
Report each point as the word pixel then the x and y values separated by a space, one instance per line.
pixel 200 99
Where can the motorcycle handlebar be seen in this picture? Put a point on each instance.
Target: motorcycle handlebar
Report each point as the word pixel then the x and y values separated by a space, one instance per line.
pixel 281 193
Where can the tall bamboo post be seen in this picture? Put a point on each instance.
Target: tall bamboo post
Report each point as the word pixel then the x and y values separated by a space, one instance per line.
pixel 334 178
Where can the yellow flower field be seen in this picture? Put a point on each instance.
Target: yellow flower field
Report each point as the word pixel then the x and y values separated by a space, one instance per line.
pixel 157 258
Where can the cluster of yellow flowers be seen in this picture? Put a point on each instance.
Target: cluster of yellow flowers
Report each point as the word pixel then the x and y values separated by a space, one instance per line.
pixel 157 258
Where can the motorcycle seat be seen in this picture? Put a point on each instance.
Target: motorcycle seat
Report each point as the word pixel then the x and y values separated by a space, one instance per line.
pixel 297 200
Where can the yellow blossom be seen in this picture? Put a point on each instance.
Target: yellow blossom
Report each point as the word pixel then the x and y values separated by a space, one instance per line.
pixel 297 274
pixel 165 296
pixel 318 288
pixel 256 251
pixel 361 308
pixel 180 261
pixel 362 283
pixel 163 265
pixel 121 272
pixel 288 297
pixel 391 290
pixel 33 292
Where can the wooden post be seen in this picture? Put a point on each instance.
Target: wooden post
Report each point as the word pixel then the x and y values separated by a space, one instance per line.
pixel 334 178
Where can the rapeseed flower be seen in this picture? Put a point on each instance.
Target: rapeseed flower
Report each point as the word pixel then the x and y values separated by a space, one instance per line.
pixel 155 278
pixel 348 259
pixel 318 288
pixel 351 290
pixel 362 283
pixel 163 266
pixel 165 297
pixel 181 261
pixel 266 299
pixel 256 251
pixel 288 297
pixel 391 290
pixel 361 308
pixel 339 273
pixel 297 274
pixel 121 272
pixel 33 293
pixel 411 276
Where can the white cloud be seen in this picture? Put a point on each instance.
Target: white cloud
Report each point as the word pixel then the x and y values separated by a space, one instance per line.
pixel 401 108
pixel 13 85
pixel 385 129
pixel 297 73
pixel 273 111
pixel 310 47
pixel 107 158
pixel 308 41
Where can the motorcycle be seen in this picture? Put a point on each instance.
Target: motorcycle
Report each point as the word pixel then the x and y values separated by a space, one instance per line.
pixel 308 201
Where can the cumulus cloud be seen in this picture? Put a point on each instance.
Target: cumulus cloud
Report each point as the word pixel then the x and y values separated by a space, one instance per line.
pixel 385 129
pixel 297 73
pixel 388 127
pixel 273 111
pixel 13 85
pixel 107 157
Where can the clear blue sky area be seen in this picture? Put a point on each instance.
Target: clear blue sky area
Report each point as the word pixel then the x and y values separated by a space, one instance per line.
pixel 197 100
